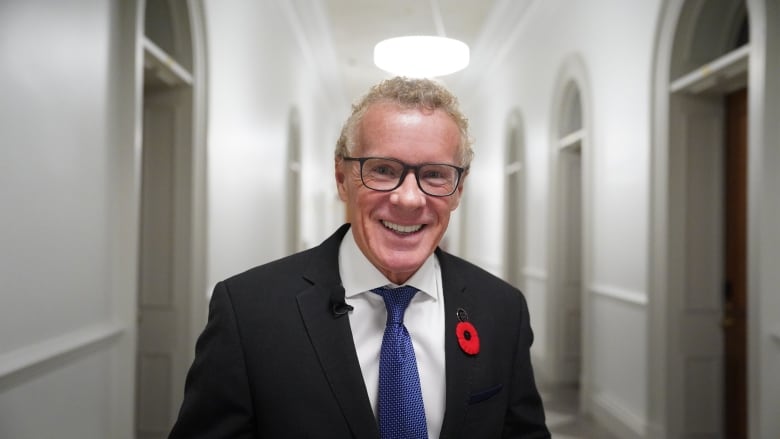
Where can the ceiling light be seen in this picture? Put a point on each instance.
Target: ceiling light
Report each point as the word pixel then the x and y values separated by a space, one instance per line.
pixel 421 56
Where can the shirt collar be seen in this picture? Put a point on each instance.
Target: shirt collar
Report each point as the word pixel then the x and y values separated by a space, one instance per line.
pixel 359 275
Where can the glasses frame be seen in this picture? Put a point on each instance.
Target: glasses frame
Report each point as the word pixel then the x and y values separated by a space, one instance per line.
pixel 404 172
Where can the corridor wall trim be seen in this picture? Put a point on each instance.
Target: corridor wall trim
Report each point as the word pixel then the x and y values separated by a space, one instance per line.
pixel 620 294
pixel 55 351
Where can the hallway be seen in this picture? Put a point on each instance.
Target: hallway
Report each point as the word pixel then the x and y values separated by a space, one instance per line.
pixel 563 418
pixel 152 149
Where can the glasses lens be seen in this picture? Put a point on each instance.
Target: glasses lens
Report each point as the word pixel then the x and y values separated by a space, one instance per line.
pixel 438 179
pixel 382 174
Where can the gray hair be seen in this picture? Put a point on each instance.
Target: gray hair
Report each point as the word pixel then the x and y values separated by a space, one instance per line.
pixel 407 93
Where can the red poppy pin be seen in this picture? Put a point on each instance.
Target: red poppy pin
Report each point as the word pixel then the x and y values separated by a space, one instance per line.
pixel 468 339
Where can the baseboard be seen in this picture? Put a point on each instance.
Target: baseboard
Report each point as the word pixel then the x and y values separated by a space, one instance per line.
pixel 614 417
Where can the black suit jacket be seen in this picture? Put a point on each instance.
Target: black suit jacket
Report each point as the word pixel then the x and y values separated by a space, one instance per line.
pixel 276 361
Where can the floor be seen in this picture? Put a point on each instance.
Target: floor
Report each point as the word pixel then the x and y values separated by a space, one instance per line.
pixel 564 419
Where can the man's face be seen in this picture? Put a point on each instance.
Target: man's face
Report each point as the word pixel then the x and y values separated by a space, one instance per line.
pixel 398 230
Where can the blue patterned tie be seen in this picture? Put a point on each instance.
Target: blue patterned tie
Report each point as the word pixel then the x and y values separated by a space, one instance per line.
pixel 401 412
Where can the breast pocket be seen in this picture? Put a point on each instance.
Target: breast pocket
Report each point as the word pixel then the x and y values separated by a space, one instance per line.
pixel 485 394
pixel 485 413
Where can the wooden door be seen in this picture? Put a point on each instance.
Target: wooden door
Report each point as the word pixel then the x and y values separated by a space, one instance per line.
pixel 735 295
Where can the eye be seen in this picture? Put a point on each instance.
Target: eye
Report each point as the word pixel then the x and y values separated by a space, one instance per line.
pixel 437 174
pixel 384 169
pixel 433 174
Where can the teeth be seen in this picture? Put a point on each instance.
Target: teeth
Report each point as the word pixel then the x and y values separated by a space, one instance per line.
pixel 402 229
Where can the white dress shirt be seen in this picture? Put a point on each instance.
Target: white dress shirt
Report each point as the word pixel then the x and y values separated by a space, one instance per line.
pixel 424 319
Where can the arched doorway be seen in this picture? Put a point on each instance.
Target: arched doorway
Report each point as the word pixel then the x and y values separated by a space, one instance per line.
pixel 171 280
pixel 568 240
pixel 514 191
pixel 698 282
pixel 568 230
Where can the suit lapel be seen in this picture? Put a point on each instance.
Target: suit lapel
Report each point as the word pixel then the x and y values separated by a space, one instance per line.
pixel 459 366
pixel 331 337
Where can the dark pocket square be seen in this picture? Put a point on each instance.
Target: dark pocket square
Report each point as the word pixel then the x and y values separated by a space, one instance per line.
pixel 485 394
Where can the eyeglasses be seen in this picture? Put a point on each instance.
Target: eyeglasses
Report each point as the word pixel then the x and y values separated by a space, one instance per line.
pixel 386 174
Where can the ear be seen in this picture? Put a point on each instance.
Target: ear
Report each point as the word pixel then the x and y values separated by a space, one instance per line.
pixel 341 180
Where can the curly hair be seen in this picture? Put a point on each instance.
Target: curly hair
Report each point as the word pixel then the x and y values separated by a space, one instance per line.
pixel 407 93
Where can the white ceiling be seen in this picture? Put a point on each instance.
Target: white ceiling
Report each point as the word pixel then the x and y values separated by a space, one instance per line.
pixel 353 27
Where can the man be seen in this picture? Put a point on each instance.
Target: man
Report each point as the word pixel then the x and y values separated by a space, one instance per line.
pixel 315 346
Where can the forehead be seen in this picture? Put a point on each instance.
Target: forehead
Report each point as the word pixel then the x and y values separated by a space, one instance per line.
pixel 412 133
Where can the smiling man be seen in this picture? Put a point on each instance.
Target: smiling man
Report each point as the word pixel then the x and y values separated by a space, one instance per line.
pixel 398 217
pixel 377 332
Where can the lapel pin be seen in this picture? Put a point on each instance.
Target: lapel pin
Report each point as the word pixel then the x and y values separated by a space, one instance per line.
pixel 468 339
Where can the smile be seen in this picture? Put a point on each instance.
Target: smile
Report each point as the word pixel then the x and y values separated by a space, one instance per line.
pixel 402 229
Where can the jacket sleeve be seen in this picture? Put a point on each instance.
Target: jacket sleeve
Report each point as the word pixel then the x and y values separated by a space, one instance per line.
pixel 525 414
pixel 217 402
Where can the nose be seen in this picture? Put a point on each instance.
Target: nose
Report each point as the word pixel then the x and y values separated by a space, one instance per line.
pixel 408 193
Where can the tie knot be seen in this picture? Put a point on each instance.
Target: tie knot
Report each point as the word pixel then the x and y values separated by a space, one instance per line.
pixel 396 301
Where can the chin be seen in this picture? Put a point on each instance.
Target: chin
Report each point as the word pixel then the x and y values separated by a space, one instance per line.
pixel 404 262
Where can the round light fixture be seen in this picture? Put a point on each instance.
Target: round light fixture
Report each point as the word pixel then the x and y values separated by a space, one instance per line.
pixel 421 56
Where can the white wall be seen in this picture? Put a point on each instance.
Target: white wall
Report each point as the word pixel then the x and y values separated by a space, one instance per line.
pixel 615 39
pixel 68 225
pixel 260 65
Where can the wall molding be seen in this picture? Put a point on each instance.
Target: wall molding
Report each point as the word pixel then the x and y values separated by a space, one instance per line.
pixel 55 350
pixel 617 418
pixel 620 294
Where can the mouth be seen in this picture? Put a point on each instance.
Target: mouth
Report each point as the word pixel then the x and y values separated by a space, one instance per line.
pixel 403 230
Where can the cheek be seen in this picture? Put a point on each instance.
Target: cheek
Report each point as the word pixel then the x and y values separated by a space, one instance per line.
pixel 359 201
pixel 454 202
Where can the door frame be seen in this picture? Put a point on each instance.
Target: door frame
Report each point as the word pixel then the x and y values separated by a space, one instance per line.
pixel 192 243
pixel 664 420
pixel 573 73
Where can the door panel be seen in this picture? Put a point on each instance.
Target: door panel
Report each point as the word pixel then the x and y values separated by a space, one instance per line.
pixel 696 246
pixel 165 291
